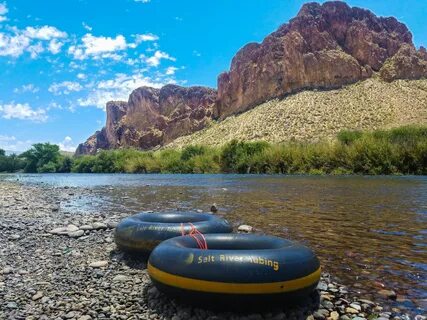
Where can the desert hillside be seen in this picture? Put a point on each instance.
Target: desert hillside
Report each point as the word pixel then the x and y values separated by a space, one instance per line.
pixel 326 46
pixel 314 115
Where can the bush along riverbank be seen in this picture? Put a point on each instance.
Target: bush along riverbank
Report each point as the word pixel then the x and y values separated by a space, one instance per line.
pixel 61 263
pixel 388 152
pixel 396 151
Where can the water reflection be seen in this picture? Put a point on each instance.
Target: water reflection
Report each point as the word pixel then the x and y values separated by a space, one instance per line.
pixel 370 232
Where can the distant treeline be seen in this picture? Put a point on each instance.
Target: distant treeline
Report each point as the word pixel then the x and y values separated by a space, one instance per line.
pixel 396 151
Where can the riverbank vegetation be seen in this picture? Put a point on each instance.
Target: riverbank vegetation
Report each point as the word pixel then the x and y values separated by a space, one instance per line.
pixel 395 151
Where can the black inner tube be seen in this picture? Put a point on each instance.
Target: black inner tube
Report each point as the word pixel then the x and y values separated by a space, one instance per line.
pixel 235 242
pixel 185 217
pixel 274 268
pixel 140 233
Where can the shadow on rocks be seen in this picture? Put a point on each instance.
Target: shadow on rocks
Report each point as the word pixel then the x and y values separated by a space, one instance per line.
pixel 132 260
pixel 177 309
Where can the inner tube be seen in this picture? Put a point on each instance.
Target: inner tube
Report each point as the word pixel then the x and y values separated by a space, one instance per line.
pixel 236 267
pixel 142 232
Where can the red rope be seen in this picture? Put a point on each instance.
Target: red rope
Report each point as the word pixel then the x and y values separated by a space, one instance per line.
pixel 196 235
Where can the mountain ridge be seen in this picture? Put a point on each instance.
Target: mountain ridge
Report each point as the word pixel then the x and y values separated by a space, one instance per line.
pixel 326 46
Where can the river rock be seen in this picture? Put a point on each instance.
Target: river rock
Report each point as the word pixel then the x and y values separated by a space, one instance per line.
pixel 37 296
pixel 214 208
pixel 334 315
pixel 76 234
pixel 351 310
pixel 321 314
pixel 356 306
pixel 65 230
pixel 86 227
pixel 388 294
pixel 120 278
pixel 7 270
pixel 99 226
pixel 245 228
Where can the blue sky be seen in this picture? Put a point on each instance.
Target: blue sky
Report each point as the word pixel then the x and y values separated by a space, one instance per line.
pixel 61 61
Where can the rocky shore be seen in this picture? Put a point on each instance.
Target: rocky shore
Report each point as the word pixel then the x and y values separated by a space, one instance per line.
pixel 59 263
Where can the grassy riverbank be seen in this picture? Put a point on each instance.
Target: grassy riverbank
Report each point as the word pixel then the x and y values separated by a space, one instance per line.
pixel 395 151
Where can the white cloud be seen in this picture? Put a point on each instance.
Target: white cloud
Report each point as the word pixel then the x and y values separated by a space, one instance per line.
pixel 44 33
pixel 27 88
pixel 86 26
pixel 55 46
pixel 117 88
pixel 154 60
pixel 11 143
pixel 35 50
pixel 31 40
pixel 65 87
pixel 81 76
pixel 98 47
pixel 171 71
pixel 3 11
pixel 4 138
pixel 143 1
pixel 145 37
pixel 22 112
pixel 67 144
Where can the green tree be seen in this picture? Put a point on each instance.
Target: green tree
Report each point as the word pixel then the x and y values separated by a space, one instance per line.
pixel 40 155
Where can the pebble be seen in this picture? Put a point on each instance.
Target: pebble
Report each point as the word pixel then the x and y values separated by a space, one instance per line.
pixel 85 317
pixel 321 314
pixel 99 226
pixel 334 315
pixel 388 293
pixel 120 278
pixel 7 270
pixel 351 310
pixel 322 286
pixel 98 264
pixel 245 228
pixel 37 296
pixel 76 234
pixel 356 306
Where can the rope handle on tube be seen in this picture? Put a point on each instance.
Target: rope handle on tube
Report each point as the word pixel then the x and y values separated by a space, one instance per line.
pixel 196 235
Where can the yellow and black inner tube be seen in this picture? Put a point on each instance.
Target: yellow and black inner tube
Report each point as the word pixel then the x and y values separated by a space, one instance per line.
pixel 140 233
pixel 235 267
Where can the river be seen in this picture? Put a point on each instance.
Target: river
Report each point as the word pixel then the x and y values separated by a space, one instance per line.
pixel 369 232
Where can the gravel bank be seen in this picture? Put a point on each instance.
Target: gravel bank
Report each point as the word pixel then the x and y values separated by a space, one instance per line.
pixel 57 264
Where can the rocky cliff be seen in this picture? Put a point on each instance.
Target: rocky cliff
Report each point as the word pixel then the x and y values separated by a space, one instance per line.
pixel 324 47
pixel 152 117
pixel 312 116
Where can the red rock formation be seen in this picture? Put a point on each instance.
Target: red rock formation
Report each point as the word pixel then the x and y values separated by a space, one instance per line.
pixel 407 63
pixel 152 117
pixel 325 46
